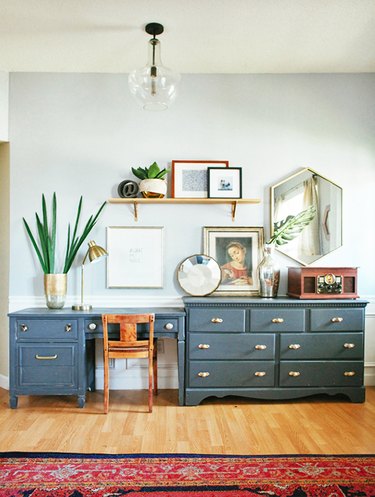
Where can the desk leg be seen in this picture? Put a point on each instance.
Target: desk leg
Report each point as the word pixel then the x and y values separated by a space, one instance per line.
pixel 181 371
pixel 90 364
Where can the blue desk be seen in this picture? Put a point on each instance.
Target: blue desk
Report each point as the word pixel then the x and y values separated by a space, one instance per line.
pixel 52 352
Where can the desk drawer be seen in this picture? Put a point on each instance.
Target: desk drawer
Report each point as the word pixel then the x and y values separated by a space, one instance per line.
pixel 217 319
pixel 337 319
pixel 43 356
pixel 321 373
pixel 162 325
pixel 46 329
pixel 276 320
pixel 321 346
pixel 237 374
pixel 245 346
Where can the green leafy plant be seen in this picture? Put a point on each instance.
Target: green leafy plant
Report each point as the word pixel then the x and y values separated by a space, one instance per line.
pixel 287 229
pixel 152 172
pixel 46 235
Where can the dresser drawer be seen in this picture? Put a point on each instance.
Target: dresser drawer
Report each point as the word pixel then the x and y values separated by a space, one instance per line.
pixel 337 319
pixel 160 326
pixel 217 319
pixel 237 374
pixel 276 319
pixel 321 346
pixel 204 346
pixel 46 329
pixel 45 355
pixel 55 377
pixel 321 373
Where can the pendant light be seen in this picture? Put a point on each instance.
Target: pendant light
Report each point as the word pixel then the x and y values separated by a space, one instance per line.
pixel 154 86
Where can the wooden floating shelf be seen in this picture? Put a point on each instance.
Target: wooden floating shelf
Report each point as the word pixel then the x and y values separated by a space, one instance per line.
pixel 141 200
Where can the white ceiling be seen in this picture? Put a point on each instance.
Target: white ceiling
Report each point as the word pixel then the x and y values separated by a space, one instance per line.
pixel 201 36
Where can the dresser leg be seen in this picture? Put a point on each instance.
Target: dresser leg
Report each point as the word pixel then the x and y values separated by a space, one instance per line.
pixel 13 401
pixel 81 401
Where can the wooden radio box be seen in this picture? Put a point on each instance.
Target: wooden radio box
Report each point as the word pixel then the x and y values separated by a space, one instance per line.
pixel 322 282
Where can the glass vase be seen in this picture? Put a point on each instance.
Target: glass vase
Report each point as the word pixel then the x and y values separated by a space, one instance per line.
pixel 269 273
pixel 55 290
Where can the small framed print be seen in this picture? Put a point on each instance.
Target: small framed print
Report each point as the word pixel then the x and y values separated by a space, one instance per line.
pixel 225 183
pixel 189 178
pixel 135 257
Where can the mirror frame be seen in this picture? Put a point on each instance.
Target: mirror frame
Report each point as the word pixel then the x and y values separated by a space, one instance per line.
pixel 272 212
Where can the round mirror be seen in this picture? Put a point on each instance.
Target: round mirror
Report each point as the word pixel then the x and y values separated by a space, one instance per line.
pixel 295 194
pixel 199 275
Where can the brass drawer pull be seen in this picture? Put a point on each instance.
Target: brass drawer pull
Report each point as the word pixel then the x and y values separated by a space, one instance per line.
pixel 169 326
pixel 45 357
pixel 203 374
pixel 260 347
pixel 294 373
pixel 349 345
pixel 260 373
pixel 277 320
pixel 337 319
pixel 68 327
pixel 204 346
pixel 24 327
pixel 294 346
pixel 349 373
pixel 217 320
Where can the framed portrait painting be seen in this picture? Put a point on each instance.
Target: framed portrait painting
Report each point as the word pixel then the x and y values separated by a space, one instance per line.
pixel 238 251
pixel 190 178
pixel 135 257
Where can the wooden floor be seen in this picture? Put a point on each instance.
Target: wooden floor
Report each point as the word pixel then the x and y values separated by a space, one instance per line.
pixel 317 425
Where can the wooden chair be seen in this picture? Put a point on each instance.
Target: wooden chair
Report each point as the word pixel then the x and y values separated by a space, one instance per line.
pixel 129 346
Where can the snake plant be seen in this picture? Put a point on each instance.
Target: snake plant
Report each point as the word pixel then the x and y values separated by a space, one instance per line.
pixel 46 235
pixel 287 229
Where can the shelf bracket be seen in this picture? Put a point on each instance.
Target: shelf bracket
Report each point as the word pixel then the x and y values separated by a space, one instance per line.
pixel 135 205
pixel 234 207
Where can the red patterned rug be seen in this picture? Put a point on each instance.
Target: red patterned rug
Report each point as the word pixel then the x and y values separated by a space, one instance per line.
pixel 181 475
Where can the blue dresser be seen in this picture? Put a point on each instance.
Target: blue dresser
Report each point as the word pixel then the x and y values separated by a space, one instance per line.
pixel 273 348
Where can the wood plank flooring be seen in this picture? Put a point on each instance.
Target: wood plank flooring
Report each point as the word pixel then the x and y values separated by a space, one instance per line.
pixel 316 425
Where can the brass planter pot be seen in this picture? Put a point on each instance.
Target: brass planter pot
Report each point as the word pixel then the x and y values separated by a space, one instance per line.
pixel 55 290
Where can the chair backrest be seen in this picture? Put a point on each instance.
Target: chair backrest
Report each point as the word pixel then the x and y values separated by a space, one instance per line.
pixel 128 337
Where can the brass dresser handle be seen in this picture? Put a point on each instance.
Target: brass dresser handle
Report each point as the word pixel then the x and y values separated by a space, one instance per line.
pixel 260 373
pixel 277 320
pixel 45 357
pixel 337 319
pixel 349 373
pixel 203 374
pixel 260 347
pixel 294 346
pixel 204 346
pixel 68 327
pixel 349 345
pixel 24 327
pixel 294 373
pixel 216 320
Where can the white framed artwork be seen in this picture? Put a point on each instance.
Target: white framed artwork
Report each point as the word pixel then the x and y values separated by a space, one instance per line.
pixel 135 257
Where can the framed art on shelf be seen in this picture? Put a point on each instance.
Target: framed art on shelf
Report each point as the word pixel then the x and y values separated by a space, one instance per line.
pixel 238 251
pixel 135 257
pixel 189 178
pixel 224 183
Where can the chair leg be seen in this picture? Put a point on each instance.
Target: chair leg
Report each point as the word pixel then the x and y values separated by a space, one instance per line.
pixel 150 381
pixel 155 357
pixel 106 383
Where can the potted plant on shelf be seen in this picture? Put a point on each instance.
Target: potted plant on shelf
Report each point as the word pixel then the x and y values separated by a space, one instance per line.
pixel 153 184
pixel 55 281
pixel 284 232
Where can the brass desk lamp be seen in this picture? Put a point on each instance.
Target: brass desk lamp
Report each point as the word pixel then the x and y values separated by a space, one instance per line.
pixel 94 253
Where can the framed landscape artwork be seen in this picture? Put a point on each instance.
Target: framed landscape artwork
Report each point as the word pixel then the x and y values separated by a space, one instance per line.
pixel 238 252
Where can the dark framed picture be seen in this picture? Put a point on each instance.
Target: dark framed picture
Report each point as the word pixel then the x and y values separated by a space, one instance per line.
pixel 238 251
pixel 189 177
pixel 224 183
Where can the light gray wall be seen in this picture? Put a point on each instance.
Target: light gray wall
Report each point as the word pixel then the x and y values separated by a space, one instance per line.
pixel 4 105
pixel 80 134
